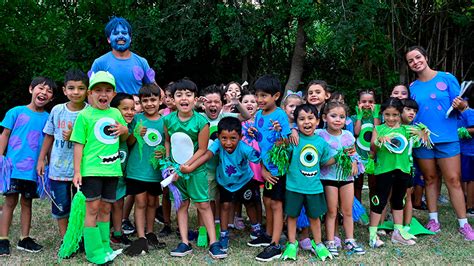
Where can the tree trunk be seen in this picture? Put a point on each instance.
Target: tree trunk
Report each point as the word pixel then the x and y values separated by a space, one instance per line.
pixel 245 68
pixel 297 62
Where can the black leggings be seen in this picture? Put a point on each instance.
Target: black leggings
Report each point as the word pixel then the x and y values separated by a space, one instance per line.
pixel 395 180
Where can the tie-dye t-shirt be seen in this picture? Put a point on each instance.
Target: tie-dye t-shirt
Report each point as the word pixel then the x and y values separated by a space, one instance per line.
pixel 25 140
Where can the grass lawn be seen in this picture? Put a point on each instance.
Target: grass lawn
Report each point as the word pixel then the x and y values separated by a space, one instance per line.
pixel 447 247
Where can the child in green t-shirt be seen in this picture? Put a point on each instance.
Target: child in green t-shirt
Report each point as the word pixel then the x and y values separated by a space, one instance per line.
pixel 97 164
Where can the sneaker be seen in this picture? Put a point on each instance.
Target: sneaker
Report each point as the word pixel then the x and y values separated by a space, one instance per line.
pixel 159 215
pixel 352 246
pixel 239 223
pixel 442 199
pixel 376 243
pixel 467 232
pixel 338 242
pixel 165 231
pixel 182 250
pixel 127 227
pixel 433 226
pixel 120 240
pixel 398 239
pixel 270 253
pixel 262 241
pixel 224 242
pixel 138 247
pixel 216 251
pixel 254 234
pixel 28 244
pixel 154 242
pixel 305 244
pixel 470 212
pixel 4 248
pixel 331 246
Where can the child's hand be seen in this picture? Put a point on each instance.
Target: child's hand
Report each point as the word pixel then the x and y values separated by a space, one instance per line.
pixel 143 131
pixel 267 176
pixel 359 112
pixel 350 151
pixel 228 108
pixel 200 102
pixel 252 131
pixel 40 168
pixel 185 169
pixel 375 110
pixel 67 132
pixel 459 104
pixel 294 137
pixel 276 125
pixel 159 155
pixel 77 180
pixel 119 129
pixel 355 169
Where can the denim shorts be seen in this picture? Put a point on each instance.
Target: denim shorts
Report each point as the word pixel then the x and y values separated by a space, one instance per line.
pixel 62 193
pixel 439 151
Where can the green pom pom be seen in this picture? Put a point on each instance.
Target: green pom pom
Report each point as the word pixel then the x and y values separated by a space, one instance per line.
pixel 343 165
pixel 140 141
pixel 463 133
pixel 370 166
pixel 154 161
pixel 280 155
pixel 75 227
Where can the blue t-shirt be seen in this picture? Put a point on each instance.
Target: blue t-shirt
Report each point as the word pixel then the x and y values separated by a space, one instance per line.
pixel 61 166
pixel 434 97
pixel 233 170
pixel 266 136
pixel 130 74
pixel 467 121
pixel 304 172
pixel 25 140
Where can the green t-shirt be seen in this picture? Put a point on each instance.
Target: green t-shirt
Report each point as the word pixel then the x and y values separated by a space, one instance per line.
pixel 190 128
pixel 100 156
pixel 304 172
pixel 140 168
pixel 399 157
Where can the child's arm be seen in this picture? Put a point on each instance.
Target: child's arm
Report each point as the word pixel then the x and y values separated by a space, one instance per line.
pixel 373 147
pixel 244 114
pixel 4 140
pixel 329 162
pixel 47 144
pixel 167 142
pixel 267 176
pixel 78 150
pixel 203 140
pixel 189 168
pixel 358 120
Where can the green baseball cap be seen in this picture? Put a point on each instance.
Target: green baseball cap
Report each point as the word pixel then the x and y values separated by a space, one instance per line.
pixel 101 77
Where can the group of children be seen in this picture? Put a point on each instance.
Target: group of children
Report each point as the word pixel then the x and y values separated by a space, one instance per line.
pixel 309 155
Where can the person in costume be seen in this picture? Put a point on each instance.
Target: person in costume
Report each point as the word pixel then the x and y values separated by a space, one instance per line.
pixel 20 144
pixel 466 132
pixel 126 105
pixel 341 98
pixel 97 167
pixel 303 184
pixel 268 92
pixel 233 173
pixel 57 132
pixel 338 179
pixel 130 70
pixel 189 127
pixel 435 92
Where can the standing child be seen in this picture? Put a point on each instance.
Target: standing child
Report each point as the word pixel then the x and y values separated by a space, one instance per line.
pixel 336 186
pixel 303 186
pixel 317 94
pixel 341 98
pixel 467 158
pixel 21 139
pixel 268 92
pixel 97 164
pixel 400 91
pixel 58 130
pixel 126 105
pixel 143 181
pixel 193 128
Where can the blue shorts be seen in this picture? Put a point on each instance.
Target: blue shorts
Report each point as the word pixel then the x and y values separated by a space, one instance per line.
pixel 62 193
pixel 439 151
pixel 417 181
pixel 467 168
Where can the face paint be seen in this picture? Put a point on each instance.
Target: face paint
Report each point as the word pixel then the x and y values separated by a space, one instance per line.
pixel 120 38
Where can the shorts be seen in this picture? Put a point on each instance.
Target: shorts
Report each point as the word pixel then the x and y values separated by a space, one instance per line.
pixel 135 187
pixel 26 188
pixel 417 181
pixel 315 204
pixel 467 168
pixel 62 193
pixel 248 193
pixel 99 188
pixel 212 185
pixel 277 191
pixel 121 188
pixel 395 180
pixel 335 183
pixel 195 187
pixel 439 151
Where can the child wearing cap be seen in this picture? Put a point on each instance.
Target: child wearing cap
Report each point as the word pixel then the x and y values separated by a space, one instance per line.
pixel 97 164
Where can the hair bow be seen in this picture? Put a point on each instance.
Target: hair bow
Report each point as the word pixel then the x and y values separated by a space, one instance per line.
pixel 290 92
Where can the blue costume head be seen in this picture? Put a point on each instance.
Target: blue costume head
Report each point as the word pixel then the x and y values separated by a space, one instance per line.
pixel 119 34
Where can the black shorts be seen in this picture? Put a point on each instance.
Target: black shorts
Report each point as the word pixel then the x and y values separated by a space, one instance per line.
pixel 277 191
pixel 248 193
pixel 335 183
pixel 99 188
pixel 135 187
pixel 26 188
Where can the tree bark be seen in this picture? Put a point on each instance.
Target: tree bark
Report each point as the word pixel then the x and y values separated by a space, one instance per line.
pixel 297 62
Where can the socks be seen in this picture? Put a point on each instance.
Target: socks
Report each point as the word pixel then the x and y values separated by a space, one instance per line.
pixel 373 232
pixel 224 233
pixel 349 240
pixel 462 222
pixel 434 216
pixel 117 233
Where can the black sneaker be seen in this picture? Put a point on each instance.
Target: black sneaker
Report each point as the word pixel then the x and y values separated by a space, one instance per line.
pixel 261 241
pixel 159 215
pixel 4 248
pixel 138 247
pixel 216 252
pixel 165 231
pixel 29 245
pixel 154 242
pixel 182 250
pixel 269 253
pixel 120 240
pixel 127 227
